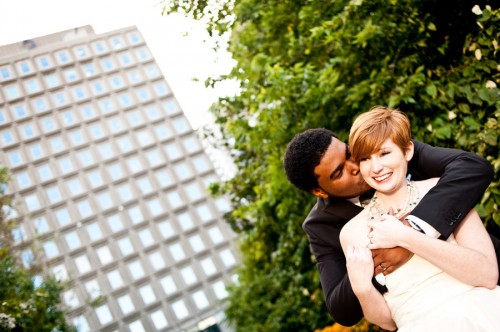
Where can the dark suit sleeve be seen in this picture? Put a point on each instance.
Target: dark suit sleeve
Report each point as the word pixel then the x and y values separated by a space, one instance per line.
pixel 464 176
pixel 341 302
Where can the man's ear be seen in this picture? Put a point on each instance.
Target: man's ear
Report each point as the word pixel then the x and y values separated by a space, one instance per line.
pixel 318 192
pixel 409 151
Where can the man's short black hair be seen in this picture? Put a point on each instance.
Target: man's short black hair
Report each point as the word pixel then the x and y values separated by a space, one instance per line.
pixel 303 154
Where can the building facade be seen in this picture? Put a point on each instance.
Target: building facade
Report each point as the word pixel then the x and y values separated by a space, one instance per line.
pixel 110 181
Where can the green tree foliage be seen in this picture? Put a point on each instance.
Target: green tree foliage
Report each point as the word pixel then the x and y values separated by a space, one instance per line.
pixel 316 63
pixel 25 303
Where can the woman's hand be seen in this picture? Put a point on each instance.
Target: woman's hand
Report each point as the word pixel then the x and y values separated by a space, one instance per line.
pixel 385 232
pixel 360 268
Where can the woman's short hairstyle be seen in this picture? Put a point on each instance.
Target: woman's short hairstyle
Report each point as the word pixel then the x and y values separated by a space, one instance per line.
pixel 372 128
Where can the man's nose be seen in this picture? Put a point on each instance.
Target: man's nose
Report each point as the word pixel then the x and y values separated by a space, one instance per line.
pixel 352 167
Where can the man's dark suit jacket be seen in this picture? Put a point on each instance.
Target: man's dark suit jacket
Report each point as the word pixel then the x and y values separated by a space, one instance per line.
pixel 464 177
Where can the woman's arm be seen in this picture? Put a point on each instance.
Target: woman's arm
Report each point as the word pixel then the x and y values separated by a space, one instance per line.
pixel 360 270
pixel 474 251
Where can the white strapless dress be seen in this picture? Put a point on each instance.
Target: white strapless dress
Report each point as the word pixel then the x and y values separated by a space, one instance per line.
pixel 424 298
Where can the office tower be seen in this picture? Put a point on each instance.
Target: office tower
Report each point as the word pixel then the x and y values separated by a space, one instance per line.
pixel 111 181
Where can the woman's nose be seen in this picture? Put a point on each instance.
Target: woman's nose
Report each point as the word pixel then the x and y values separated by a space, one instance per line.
pixel 376 166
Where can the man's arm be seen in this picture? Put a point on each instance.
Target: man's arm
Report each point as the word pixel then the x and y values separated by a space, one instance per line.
pixel 464 176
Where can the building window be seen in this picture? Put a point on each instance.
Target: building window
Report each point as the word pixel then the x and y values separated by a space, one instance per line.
pixel 125 100
pixel 81 52
pixel 96 131
pixel 52 80
pixel 156 260
pixel 104 314
pixel 27 258
pixel 115 125
pixel 6 73
pixel 60 272
pixel 153 156
pixel 68 118
pixel 3 117
pixel 164 178
pixel 94 232
pixel 146 237
pixel 126 247
pixel 177 252
pixel 105 201
pixel 134 38
pixel 73 240
pixel 215 235
pixel 159 319
pixel 185 221
pixel 106 151
pixel 115 171
pixel 166 229
pixel 155 207
pixel 208 266
pixel 116 82
pixel 125 144
pixel 126 304
pixel 63 57
pixel 24 67
pixel 171 107
pixel 193 191
pixel 36 151
pixel 71 75
pixel 50 249
pixel 66 165
pixel 191 144
pixel 152 71
pixel 161 89
pixel 204 212
pixel 95 179
pixel 125 193
pixel 175 200
pixel 32 85
pixel 81 324
pixel 75 186
pixel 60 98
pixel 63 217
pixel 220 290
pixel 200 299
pixel 126 59
pixel 108 64
pixel 104 255
pixel 54 194
pixel 136 270
pixel 147 294
pixel 76 137
pixel 115 279
pixel 107 105
pixel 135 119
pixel 87 112
pixel 28 131
pixel 143 54
pixel 41 225
pixel 115 223
pixel 44 62
pixel 196 243
pixel 7 137
pixel 163 132
pixel 32 202
pixel 93 289
pixel 143 94
pixel 79 93
pixel 100 47
pixel 168 284
pixel 227 257
pixel 13 91
pixel 135 77
pixel 183 171
pixel 136 326
pixel 23 180
pixel 180 309
pixel 201 164
pixel 15 158
pixel 40 104
pixel 173 151
pixel 84 208
pixel 117 42
pixel 143 183
pixel 98 87
pixel 90 70
pixel 134 165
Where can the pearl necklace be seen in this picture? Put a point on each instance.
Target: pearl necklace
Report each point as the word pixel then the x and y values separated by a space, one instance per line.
pixel 412 200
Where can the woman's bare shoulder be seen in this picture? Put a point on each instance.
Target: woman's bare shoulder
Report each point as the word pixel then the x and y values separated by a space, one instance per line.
pixel 355 230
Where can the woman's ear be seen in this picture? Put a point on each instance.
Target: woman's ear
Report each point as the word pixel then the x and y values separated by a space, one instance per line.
pixel 409 151
pixel 318 192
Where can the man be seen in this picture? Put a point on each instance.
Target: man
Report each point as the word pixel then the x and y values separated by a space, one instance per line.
pixel 318 162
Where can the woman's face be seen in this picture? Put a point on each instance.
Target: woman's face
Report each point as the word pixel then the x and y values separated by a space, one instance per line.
pixel 385 169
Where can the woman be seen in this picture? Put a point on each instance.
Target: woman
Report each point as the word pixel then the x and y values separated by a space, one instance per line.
pixel 446 285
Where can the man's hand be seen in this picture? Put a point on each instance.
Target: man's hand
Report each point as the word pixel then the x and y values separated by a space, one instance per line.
pixel 389 260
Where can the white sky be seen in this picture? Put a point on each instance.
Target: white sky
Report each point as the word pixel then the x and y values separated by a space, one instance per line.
pixel 181 46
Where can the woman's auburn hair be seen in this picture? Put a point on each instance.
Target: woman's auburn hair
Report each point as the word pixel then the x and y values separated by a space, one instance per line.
pixel 371 129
